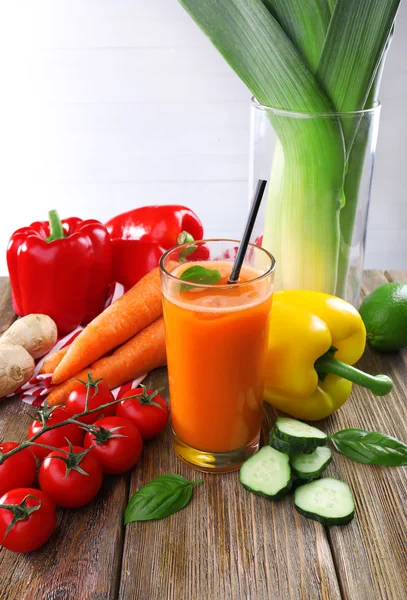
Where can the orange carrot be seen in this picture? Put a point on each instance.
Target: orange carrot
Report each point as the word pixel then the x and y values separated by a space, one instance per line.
pixel 50 364
pixel 120 321
pixel 144 352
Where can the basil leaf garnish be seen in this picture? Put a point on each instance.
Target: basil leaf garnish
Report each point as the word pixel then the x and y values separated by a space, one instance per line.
pixel 370 447
pixel 161 497
pixel 198 274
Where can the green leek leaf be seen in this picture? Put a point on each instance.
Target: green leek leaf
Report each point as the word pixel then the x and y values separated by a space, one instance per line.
pixel 355 43
pixel 305 23
pixel 310 169
pixel 256 47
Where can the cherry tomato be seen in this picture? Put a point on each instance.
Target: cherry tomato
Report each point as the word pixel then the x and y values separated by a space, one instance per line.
pixel 32 530
pixel 17 471
pixel 64 483
pixel 99 394
pixel 116 454
pixel 56 437
pixel 149 413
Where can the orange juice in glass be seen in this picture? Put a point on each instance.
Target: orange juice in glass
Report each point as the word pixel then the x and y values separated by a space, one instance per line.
pixel 216 338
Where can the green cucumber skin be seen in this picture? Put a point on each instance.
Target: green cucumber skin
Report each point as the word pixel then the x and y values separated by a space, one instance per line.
pixel 277 496
pixel 328 522
pixel 288 447
pixel 303 445
pixel 285 480
pixel 277 444
pixel 297 481
pixel 314 474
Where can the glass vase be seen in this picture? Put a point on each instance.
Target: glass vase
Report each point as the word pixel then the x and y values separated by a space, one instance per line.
pixel 319 171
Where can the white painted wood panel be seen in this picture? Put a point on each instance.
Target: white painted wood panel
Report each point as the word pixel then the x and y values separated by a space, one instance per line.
pixel 110 104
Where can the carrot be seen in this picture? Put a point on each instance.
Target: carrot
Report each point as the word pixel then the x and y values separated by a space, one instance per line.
pixel 144 352
pixel 50 364
pixel 120 321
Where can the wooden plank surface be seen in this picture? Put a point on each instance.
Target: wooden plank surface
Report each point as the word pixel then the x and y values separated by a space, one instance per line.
pixel 394 275
pixel 371 552
pixel 82 559
pixel 226 544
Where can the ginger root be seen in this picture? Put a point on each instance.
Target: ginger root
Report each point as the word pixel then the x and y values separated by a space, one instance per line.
pixel 37 334
pixel 16 368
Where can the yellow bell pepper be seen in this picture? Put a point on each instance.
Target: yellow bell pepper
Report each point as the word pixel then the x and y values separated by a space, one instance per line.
pixel 302 377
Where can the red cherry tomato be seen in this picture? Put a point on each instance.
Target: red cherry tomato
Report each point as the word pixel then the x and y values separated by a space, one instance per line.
pixel 56 437
pixel 17 471
pixel 149 413
pixel 31 531
pixel 64 483
pixel 99 394
pixel 116 454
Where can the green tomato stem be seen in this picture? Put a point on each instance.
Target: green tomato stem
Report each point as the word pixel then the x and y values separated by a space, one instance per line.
pixel 69 421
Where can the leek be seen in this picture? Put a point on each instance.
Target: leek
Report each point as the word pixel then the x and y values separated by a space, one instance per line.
pixel 314 57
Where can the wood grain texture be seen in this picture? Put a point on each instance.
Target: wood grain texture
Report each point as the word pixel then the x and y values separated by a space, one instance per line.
pixel 82 559
pixel 227 543
pixel 371 552
pixel 7 314
pixel 394 275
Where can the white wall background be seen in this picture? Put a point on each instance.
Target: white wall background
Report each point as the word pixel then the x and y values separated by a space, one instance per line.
pixel 110 104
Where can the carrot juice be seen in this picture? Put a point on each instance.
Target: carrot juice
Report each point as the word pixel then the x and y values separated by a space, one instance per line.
pixel 216 340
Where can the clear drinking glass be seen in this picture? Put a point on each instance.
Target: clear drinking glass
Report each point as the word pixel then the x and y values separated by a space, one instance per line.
pixel 319 169
pixel 216 339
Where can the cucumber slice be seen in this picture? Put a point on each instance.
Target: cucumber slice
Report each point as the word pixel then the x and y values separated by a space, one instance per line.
pixel 287 447
pixel 266 473
pixel 310 466
pixel 328 500
pixel 278 444
pixel 302 438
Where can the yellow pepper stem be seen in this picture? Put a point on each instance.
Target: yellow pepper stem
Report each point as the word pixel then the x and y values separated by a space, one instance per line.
pixel 380 385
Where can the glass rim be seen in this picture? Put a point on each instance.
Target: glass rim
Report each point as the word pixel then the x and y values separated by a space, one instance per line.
pixel 269 271
pixel 299 115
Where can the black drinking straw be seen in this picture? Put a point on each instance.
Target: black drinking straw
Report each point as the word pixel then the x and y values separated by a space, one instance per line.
pixel 241 253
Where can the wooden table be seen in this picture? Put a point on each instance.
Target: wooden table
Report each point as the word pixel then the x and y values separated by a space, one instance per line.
pixel 228 543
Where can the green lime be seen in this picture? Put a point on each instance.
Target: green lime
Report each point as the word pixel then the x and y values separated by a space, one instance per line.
pixel 384 313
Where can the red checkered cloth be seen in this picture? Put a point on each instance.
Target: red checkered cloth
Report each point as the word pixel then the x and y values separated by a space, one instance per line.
pixel 36 389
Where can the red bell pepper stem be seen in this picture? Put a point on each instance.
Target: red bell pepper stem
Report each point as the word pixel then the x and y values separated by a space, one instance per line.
pixel 185 238
pixel 55 226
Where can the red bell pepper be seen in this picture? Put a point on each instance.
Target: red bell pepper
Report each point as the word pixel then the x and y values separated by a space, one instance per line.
pixel 132 259
pixel 61 269
pixel 159 224
pixel 141 236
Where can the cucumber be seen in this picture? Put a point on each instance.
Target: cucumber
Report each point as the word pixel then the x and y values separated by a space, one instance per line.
pixel 303 438
pixel 310 466
pixel 278 444
pixel 267 473
pixel 327 500
pixel 286 447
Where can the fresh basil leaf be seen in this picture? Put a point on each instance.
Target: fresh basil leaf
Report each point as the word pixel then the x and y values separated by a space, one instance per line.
pixel 159 498
pixel 198 274
pixel 370 447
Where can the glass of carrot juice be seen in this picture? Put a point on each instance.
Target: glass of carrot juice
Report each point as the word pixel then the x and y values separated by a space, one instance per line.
pixel 216 339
